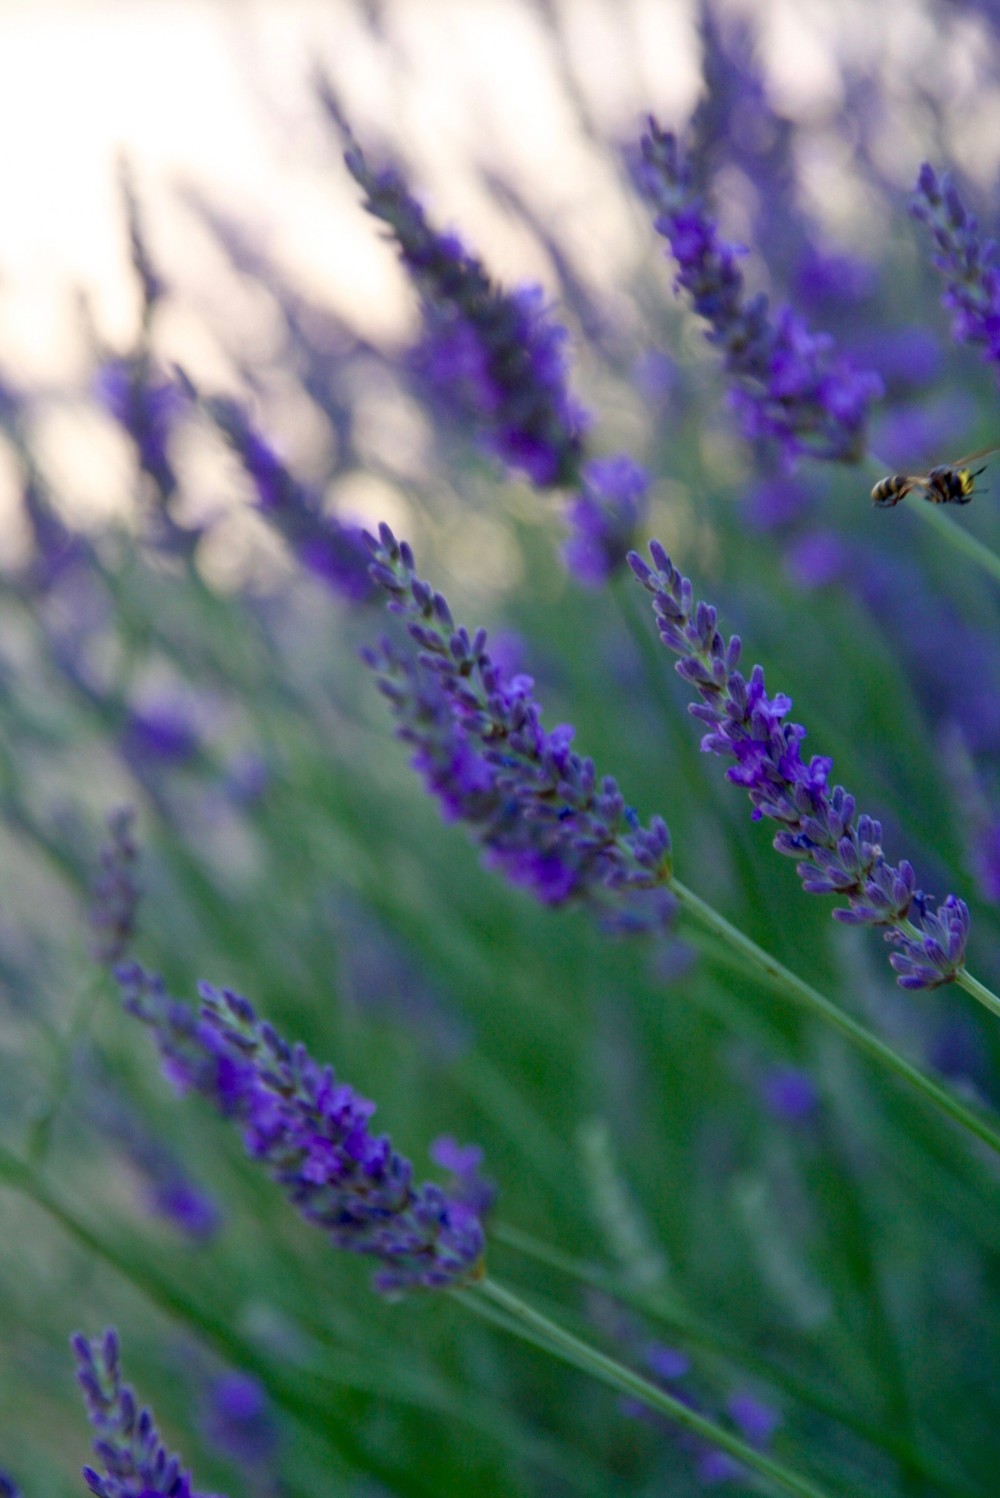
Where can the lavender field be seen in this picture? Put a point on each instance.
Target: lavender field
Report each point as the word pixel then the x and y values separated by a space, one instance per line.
pixel 500 751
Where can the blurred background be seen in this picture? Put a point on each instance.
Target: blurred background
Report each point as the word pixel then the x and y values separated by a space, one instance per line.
pixel 796 1246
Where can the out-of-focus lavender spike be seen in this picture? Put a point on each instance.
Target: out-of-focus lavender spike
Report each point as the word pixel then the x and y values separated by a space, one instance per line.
pixel 115 895
pixel 604 518
pixel 495 358
pixel 965 259
pixel 8 1487
pixel 311 1131
pixel 325 546
pixel 837 852
pixel 133 1460
pixel 538 809
pixel 239 1421
pixel 147 406
pixel 789 383
pixel 150 281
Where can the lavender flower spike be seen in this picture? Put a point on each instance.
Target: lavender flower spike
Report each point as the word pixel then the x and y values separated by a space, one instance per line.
pixel 116 892
pixel 790 384
pixel 496 357
pixel 328 548
pixel 538 809
pixel 134 1461
pixel 838 853
pixel 312 1132
pixel 965 260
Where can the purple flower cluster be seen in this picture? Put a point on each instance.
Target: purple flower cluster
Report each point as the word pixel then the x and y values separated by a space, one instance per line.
pixel 325 546
pixel 755 1421
pixel 838 854
pixel 312 1132
pixel 790 384
pixel 239 1422
pixel 538 809
pixel 147 407
pixel 496 358
pixel 135 1462
pixel 8 1487
pixel 115 895
pixel 604 517
pixel 966 261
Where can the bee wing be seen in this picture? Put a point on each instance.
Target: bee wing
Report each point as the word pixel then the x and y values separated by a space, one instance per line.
pixel 983 452
pixel 919 481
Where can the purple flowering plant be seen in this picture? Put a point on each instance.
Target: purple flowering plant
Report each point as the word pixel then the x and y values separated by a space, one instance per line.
pixel 709 1204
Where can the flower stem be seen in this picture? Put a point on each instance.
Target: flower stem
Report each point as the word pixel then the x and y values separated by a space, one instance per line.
pixel 784 981
pixel 978 990
pixel 665 1306
pixel 588 1359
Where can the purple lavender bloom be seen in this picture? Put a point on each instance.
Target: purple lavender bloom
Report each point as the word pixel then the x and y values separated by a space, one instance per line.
pixel 185 1205
pixel 312 1133
pixel 605 517
pixel 825 277
pixel 167 1189
pixel 134 1462
pixel 790 385
pixel 238 1420
pixel 755 1421
pixel 496 357
pixel 775 502
pixel 817 559
pixel 536 807
pixel 666 1363
pixel 334 552
pixel 159 734
pixel 463 1161
pixel 837 854
pixel 966 261
pixel 790 1094
pixel 147 407
pixel 8 1487
pixel 115 895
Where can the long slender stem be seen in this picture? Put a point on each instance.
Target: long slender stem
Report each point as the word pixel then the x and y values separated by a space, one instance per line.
pixel 665 1307
pixel 781 978
pixel 590 1360
pixel 978 990
pixel 946 529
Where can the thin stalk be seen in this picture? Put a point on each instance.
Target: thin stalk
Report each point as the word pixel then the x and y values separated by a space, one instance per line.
pixel 781 979
pixel 945 528
pixel 978 990
pixel 40 1132
pixel 666 1308
pixel 587 1359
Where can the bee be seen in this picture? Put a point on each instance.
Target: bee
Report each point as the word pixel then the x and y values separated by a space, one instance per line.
pixel 948 484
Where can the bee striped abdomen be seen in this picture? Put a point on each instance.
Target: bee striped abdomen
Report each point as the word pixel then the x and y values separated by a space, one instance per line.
pixel 889 491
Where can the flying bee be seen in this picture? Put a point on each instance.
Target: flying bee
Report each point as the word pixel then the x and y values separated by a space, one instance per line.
pixel 948 484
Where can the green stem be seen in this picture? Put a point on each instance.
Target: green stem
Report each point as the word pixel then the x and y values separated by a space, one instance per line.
pixel 588 1359
pixel 40 1132
pixel 978 990
pixel 665 1307
pixel 946 529
pixel 782 980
